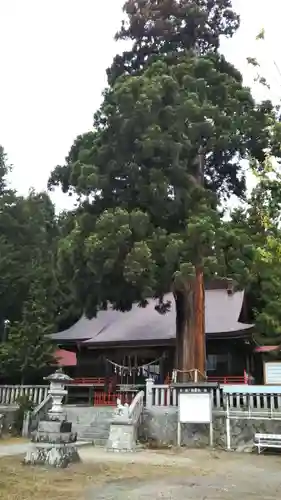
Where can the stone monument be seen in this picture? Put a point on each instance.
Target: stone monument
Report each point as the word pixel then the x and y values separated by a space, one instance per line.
pixel 54 443
pixel 123 430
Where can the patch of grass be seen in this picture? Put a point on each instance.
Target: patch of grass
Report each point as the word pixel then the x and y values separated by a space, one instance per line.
pixel 21 482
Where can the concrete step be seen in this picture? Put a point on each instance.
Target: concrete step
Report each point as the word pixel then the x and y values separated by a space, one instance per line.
pixel 91 423
pixel 90 435
pixel 89 414
pixel 91 432
pixel 99 442
pixel 91 428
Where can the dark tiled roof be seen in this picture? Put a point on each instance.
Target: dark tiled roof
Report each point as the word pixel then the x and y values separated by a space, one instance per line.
pixel 222 311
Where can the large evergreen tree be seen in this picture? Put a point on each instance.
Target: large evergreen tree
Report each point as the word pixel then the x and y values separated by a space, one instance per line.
pixel 144 218
pixel 158 28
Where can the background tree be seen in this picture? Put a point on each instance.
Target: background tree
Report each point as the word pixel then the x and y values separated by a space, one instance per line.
pixel 27 353
pixel 34 296
pixel 259 221
pixel 27 236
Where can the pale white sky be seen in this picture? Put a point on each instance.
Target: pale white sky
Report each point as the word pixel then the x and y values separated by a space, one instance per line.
pixel 54 54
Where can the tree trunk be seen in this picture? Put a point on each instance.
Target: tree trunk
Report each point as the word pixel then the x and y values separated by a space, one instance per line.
pixel 185 331
pixel 200 338
pixel 190 328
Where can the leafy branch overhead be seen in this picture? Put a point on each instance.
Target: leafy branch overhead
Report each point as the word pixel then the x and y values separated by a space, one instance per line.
pixel 150 127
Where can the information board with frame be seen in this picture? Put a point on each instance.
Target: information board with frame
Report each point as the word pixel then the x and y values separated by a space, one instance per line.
pixel 195 407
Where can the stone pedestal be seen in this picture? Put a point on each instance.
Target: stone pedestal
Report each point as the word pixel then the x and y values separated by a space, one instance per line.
pixel 123 430
pixel 122 437
pixel 53 444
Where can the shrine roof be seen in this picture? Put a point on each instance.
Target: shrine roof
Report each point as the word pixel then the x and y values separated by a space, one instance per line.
pixel 222 312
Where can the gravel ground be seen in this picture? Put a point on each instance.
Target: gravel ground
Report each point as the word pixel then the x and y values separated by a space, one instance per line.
pixel 209 476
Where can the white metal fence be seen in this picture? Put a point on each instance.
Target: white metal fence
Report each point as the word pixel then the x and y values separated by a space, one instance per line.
pixel 259 398
pixel 9 394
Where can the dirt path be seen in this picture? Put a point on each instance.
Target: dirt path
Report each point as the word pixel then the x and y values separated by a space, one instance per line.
pixel 208 476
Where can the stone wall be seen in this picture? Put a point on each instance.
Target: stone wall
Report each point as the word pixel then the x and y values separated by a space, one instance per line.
pixel 160 427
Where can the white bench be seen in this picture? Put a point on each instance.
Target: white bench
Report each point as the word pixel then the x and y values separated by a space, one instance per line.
pixel 263 441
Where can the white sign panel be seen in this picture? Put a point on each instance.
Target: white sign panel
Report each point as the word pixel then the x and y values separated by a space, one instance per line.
pixel 272 373
pixel 195 408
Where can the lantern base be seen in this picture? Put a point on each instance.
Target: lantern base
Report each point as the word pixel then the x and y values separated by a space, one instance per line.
pixel 53 444
pixel 51 454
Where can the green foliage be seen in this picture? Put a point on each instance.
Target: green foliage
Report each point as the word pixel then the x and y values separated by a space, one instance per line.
pixel 148 132
pixel 27 233
pixel 24 406
pixel 27 350
pixel 34 296
pixel 145 218
pixel 170 27
pixel 260 223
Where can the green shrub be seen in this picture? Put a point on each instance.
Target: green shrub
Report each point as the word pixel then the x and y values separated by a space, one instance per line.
pixel 24 405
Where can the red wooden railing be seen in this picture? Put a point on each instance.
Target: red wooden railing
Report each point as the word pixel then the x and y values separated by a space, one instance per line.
pixel 110 398
pixel 230 379
pixel 226 379
pixel 89 381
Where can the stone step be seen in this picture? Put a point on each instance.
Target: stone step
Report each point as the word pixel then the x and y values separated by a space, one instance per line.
pixel 91 423
pixel 100 425
pixel 88 432
pixel 99 442
pixel 90 428
pixel 93 427
pixel 89 415
pixel 91 432
pixel 89 418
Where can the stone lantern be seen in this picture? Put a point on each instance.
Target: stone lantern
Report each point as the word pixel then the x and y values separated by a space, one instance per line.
pixel 54 443
pixel 57 391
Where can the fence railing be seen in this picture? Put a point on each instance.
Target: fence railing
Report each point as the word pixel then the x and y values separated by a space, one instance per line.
pixel 9 394
pixel 102 398
pixel 256 398
pixel 243 379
